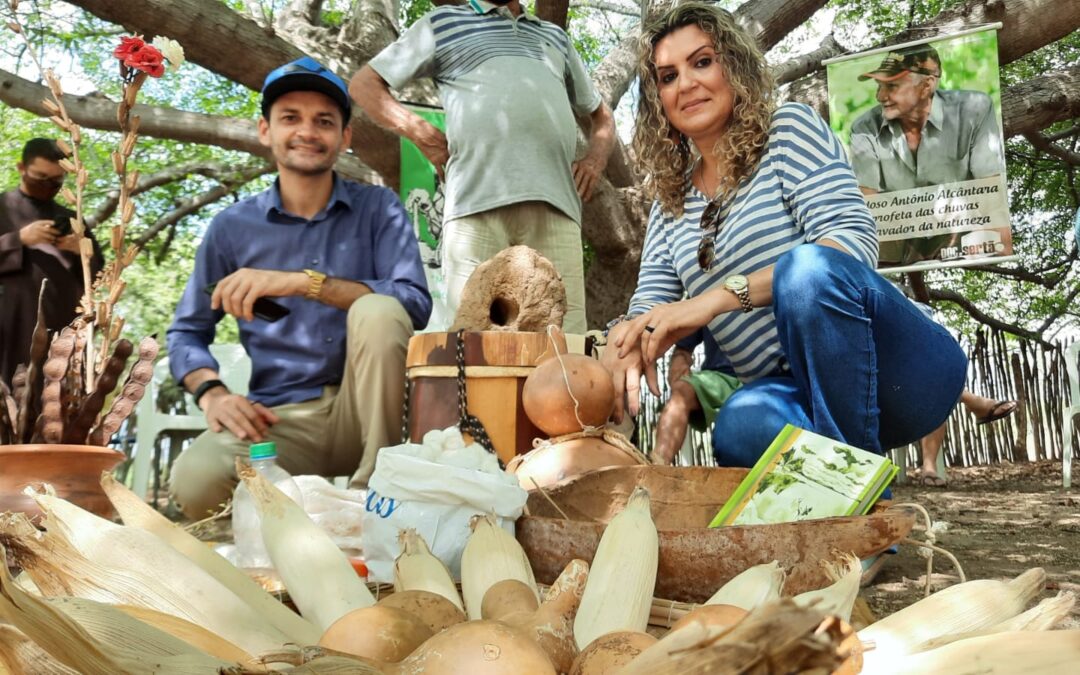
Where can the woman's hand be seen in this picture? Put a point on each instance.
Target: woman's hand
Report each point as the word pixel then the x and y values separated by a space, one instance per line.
pixel 625 372
pixel 653 332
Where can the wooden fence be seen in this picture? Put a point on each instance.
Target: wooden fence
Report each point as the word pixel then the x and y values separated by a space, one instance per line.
pixel 1003 369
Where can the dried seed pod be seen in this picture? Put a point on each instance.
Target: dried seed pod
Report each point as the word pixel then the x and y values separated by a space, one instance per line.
pixel 76 133
pixel 124 404
pixel 39 350
pixel 52 411
pixel 65 164
pixel 68 195
pixel 15 28
pixel 118 163
pixel 62 144
pixel 78 430
pixel 51 106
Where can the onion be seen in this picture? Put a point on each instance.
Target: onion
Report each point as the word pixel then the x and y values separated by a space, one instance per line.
pixel 549 464
pixel 478 648
pixel 380 633
pixel 610 652
pixel 546 396
pixel 434 610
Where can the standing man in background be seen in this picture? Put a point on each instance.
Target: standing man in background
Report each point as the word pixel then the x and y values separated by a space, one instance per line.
pixel 37 244
pixel 510 84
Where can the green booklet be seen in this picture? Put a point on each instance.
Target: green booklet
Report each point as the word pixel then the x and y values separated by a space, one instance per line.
pixel 803 476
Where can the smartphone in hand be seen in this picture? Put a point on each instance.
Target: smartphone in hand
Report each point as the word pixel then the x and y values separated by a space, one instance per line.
pixel 264 308
pixel 63 225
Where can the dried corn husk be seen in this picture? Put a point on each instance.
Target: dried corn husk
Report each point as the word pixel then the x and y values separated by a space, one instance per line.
pixel 491 555
pixel 752 587
pixel 1043 616
pixel 137 513
pixel 838 598
pixel 1054 652
pixel 417 569
pixel 82 555
pixel 69 643
pixel 19 655
pixel 320 579
pixel 618 593
pixel 970 606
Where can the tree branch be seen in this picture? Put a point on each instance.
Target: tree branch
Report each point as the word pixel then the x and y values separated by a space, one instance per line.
pixel 1043 143
pixel 602 6
pixel 983 318
pixel 807 63
pixel 1041 101
pixel 193 204
pixel 98 112
pixel 554 11
pixel 217 170
pixel 304 10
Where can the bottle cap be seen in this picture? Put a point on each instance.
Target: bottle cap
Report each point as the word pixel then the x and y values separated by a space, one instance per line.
pixel 262 450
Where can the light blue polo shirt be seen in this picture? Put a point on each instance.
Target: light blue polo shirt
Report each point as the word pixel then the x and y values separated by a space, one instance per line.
pixel 510 87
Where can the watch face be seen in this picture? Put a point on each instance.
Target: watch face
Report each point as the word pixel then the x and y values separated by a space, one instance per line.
pixel 736 282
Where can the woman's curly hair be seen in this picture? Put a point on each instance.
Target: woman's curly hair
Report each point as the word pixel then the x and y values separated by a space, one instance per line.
pixel 663 153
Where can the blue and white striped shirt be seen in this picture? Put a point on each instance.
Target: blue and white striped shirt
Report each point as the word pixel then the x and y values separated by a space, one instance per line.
pixel 803 191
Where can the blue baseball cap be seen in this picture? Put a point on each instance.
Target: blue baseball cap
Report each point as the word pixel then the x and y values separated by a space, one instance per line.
pixel 305 74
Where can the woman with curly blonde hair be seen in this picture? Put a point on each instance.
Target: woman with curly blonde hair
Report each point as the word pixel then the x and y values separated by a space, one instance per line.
pixel 759 234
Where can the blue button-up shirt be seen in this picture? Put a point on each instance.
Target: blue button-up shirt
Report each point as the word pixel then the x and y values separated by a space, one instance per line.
pixel 363 235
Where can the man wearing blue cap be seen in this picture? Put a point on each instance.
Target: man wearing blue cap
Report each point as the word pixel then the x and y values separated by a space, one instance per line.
pixel 919 136
pixel 327 381
pixel 510 84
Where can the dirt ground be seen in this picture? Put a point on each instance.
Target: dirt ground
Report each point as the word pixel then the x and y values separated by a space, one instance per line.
pixel 1003 520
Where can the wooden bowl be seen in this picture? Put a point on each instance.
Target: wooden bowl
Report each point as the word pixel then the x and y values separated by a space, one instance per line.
pixel 74 471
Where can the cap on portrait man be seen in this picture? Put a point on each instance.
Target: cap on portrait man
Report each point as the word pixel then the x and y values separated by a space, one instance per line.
pixel 921 59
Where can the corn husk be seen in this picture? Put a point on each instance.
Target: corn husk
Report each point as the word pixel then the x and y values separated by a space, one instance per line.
pixel 491 555
pixel 320 579
pixel 965 607
pixel 138 514
pixel 752 587
pixel 618 593
pixel 82 555
pixel 1055 652
pixel 1043 616
pixel 417 569
pixel 19 655
pixel 64 639
pixel 838 598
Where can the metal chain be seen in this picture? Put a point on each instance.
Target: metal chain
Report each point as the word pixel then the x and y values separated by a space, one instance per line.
pixel 469 424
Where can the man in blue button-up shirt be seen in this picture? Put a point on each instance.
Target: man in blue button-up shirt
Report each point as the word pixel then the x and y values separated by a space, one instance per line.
pixel 327 382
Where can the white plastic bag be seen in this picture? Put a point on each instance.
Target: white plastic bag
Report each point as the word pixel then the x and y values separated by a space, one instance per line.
pixel 408 489
pixel 338 511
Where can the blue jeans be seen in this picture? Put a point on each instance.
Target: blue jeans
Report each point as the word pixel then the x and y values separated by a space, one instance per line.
pixel 865 365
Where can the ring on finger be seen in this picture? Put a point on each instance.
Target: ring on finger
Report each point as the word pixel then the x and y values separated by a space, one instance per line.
pixel 650 328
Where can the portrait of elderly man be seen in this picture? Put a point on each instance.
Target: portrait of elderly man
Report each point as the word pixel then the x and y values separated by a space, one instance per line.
pixel 920 135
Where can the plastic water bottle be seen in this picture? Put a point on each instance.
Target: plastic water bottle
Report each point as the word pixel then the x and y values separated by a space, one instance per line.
pixel 247 526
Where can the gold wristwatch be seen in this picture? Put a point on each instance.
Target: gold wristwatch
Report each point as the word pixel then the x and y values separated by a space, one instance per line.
pixel 315 285
pixel 740 286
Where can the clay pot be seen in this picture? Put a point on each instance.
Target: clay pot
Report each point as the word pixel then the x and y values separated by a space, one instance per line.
pixel 74 471
pixel 550 464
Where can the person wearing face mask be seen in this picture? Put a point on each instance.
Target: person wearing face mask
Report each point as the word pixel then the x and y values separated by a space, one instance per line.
pixel 36 244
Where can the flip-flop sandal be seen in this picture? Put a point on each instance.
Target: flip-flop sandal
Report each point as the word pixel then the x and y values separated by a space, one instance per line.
pixel 932 480
pixel 1001 409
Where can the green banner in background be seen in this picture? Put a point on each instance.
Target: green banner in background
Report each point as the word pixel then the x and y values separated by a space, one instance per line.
pixel 422 194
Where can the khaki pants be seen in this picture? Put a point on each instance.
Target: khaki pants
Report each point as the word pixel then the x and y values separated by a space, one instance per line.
pixel 334 435
pixel 471 240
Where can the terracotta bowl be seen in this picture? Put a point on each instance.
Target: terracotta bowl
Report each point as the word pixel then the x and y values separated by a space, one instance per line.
pixel 74 471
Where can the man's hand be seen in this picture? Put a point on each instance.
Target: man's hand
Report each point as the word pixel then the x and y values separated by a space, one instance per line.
pixel 38 232
pixel 246 420
pixel 625 372
pixel 69 243
pixel 587 172
pixel 236 294
pixel 432 142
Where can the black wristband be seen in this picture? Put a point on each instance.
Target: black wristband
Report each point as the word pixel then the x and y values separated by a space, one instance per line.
pixel 205 387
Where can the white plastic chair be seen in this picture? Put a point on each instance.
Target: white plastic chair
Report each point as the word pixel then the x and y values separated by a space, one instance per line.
pixel 1071 355
pixel 235 371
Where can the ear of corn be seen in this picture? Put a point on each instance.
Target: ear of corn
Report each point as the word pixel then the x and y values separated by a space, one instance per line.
pixel 838 598
pixel 970 606
pixel 138 514
pixel 1054 652
pixel 491 555
pixel 417 569
pixel 618 593
pixel 1043 616
pixel 752 587
pixel 84 555
pixel 319 577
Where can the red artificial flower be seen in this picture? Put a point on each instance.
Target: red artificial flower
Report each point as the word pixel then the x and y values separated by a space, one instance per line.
pixel 134 53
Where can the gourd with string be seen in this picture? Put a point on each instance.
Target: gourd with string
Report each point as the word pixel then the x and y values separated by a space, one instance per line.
pixel 569 393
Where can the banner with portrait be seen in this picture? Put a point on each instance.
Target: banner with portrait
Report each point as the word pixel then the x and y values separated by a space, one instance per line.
pixel 422 194
pixel 921 123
